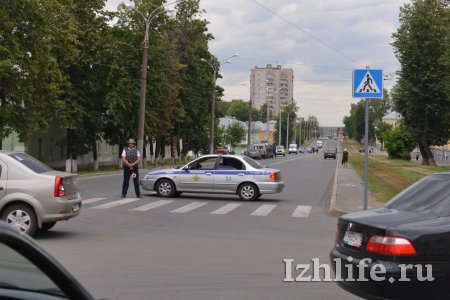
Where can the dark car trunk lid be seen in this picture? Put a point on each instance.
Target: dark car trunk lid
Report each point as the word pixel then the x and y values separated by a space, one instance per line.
pixel 361 226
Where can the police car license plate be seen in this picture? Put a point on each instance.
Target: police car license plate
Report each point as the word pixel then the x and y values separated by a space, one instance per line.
pixel 353 239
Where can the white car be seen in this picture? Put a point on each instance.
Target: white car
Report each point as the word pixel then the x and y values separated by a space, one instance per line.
pixel 33 196
pixel 279 150
pixel 216 174
pixel 293 148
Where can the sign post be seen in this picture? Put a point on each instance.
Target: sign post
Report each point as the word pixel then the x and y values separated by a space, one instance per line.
pixel 367 84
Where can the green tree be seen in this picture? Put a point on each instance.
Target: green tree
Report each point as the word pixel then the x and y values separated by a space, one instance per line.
pixel 33 33
pixel 239 110
pixel 422 93
pixel 234 134
pixel 290 110
pixel 381 129
pixel 196 91
pixel 399 142
pixel 84 95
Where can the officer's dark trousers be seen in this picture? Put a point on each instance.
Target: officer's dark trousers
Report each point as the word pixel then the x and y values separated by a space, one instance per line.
pixel 126 180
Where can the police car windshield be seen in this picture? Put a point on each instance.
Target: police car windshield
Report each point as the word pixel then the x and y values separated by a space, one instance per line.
pixel 253 163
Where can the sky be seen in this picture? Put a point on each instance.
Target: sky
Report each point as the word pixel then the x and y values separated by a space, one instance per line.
pixel 323 41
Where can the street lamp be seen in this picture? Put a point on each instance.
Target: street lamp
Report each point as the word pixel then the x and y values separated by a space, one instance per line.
pixel 141 122
pixel 287 129
pixel 215 66
pixel 249 129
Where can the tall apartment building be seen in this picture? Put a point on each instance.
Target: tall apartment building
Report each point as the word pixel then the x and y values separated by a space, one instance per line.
pixel 271 85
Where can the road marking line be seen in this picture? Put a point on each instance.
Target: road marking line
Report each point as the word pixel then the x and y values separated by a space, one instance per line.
pixel 189 207
pixel 92 200
pixel 301 211
pixel 264 210
pixel 116 203
pixel 152 205
pixel 226 209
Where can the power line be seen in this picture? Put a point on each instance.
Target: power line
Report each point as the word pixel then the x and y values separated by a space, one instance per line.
pixel 293 64
pixel 306 32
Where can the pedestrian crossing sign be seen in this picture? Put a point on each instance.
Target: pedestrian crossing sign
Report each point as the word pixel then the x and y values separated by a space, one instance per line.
pixel 367 83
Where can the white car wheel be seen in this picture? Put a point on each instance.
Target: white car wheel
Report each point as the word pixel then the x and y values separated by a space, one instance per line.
pixel 165 188
pixel 248 192
pixel 22 217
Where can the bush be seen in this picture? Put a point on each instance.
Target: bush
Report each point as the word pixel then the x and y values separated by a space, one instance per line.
pixel 399 143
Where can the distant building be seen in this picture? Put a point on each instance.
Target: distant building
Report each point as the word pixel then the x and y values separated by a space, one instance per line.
pixel 271 85
pixel 392 118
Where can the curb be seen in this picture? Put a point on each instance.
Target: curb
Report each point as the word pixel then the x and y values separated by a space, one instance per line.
pixel 334 192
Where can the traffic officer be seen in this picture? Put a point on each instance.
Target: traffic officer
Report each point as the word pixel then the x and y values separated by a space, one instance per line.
pixel 131 158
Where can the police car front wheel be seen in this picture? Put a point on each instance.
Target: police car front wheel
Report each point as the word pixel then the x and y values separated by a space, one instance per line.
pixel 165 188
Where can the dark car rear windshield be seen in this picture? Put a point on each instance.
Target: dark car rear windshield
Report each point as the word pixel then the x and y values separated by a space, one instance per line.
pixel 31 163
pixel 427 196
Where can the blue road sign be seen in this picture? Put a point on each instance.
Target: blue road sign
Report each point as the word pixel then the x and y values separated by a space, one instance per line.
pixel 367 83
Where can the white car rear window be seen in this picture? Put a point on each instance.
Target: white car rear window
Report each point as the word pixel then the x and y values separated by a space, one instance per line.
pixel 31 163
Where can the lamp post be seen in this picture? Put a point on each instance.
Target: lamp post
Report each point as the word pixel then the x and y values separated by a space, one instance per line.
pixel 279 129
pixel 141 121
pixel 287 129
pixel 249 129
pixel 215 66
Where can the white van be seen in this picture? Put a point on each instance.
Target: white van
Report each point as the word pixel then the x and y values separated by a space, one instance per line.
pixel 319 144
pixel 293 148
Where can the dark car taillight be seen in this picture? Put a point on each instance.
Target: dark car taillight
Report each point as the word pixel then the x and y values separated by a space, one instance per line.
pixel 59 187
pixel 390 245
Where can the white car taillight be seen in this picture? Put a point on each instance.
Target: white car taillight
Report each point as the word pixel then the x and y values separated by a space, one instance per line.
pixel 59 187
pixel 274 176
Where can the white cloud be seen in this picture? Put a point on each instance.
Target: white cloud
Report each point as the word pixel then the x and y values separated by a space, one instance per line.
pixel 357 33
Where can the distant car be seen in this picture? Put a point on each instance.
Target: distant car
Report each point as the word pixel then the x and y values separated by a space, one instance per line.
pixel 329 153
pixel 308 150
pixel 407 238
pixel 222 151
pixel 279 150
pixel 220 174
pixel 293 149
pixel 301 150
pixel 33 196
pixel 253 153
pixel 27 271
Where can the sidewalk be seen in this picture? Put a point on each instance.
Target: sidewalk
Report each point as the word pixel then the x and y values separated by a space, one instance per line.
pixel 348 191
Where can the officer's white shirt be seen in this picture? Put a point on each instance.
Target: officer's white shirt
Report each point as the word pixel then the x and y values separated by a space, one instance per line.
pixel 124 153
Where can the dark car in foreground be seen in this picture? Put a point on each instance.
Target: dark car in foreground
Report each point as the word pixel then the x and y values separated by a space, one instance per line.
pixel 400 251
pixel 28 272
pixel 329 153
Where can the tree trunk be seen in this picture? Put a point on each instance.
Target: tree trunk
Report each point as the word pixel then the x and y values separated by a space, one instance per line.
pixel 119 160
pixel 427 155
pixel 95 154
pixel 144 155
pixel 157 150
pixel 152 152
pixel 74 164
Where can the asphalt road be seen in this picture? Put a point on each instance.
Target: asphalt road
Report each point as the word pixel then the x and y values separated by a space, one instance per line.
pixel 219 248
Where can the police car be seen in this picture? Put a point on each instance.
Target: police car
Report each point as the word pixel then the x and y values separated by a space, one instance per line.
pixel 222 174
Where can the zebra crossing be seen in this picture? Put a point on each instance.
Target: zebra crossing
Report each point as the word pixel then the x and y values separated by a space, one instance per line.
pixel 262 210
